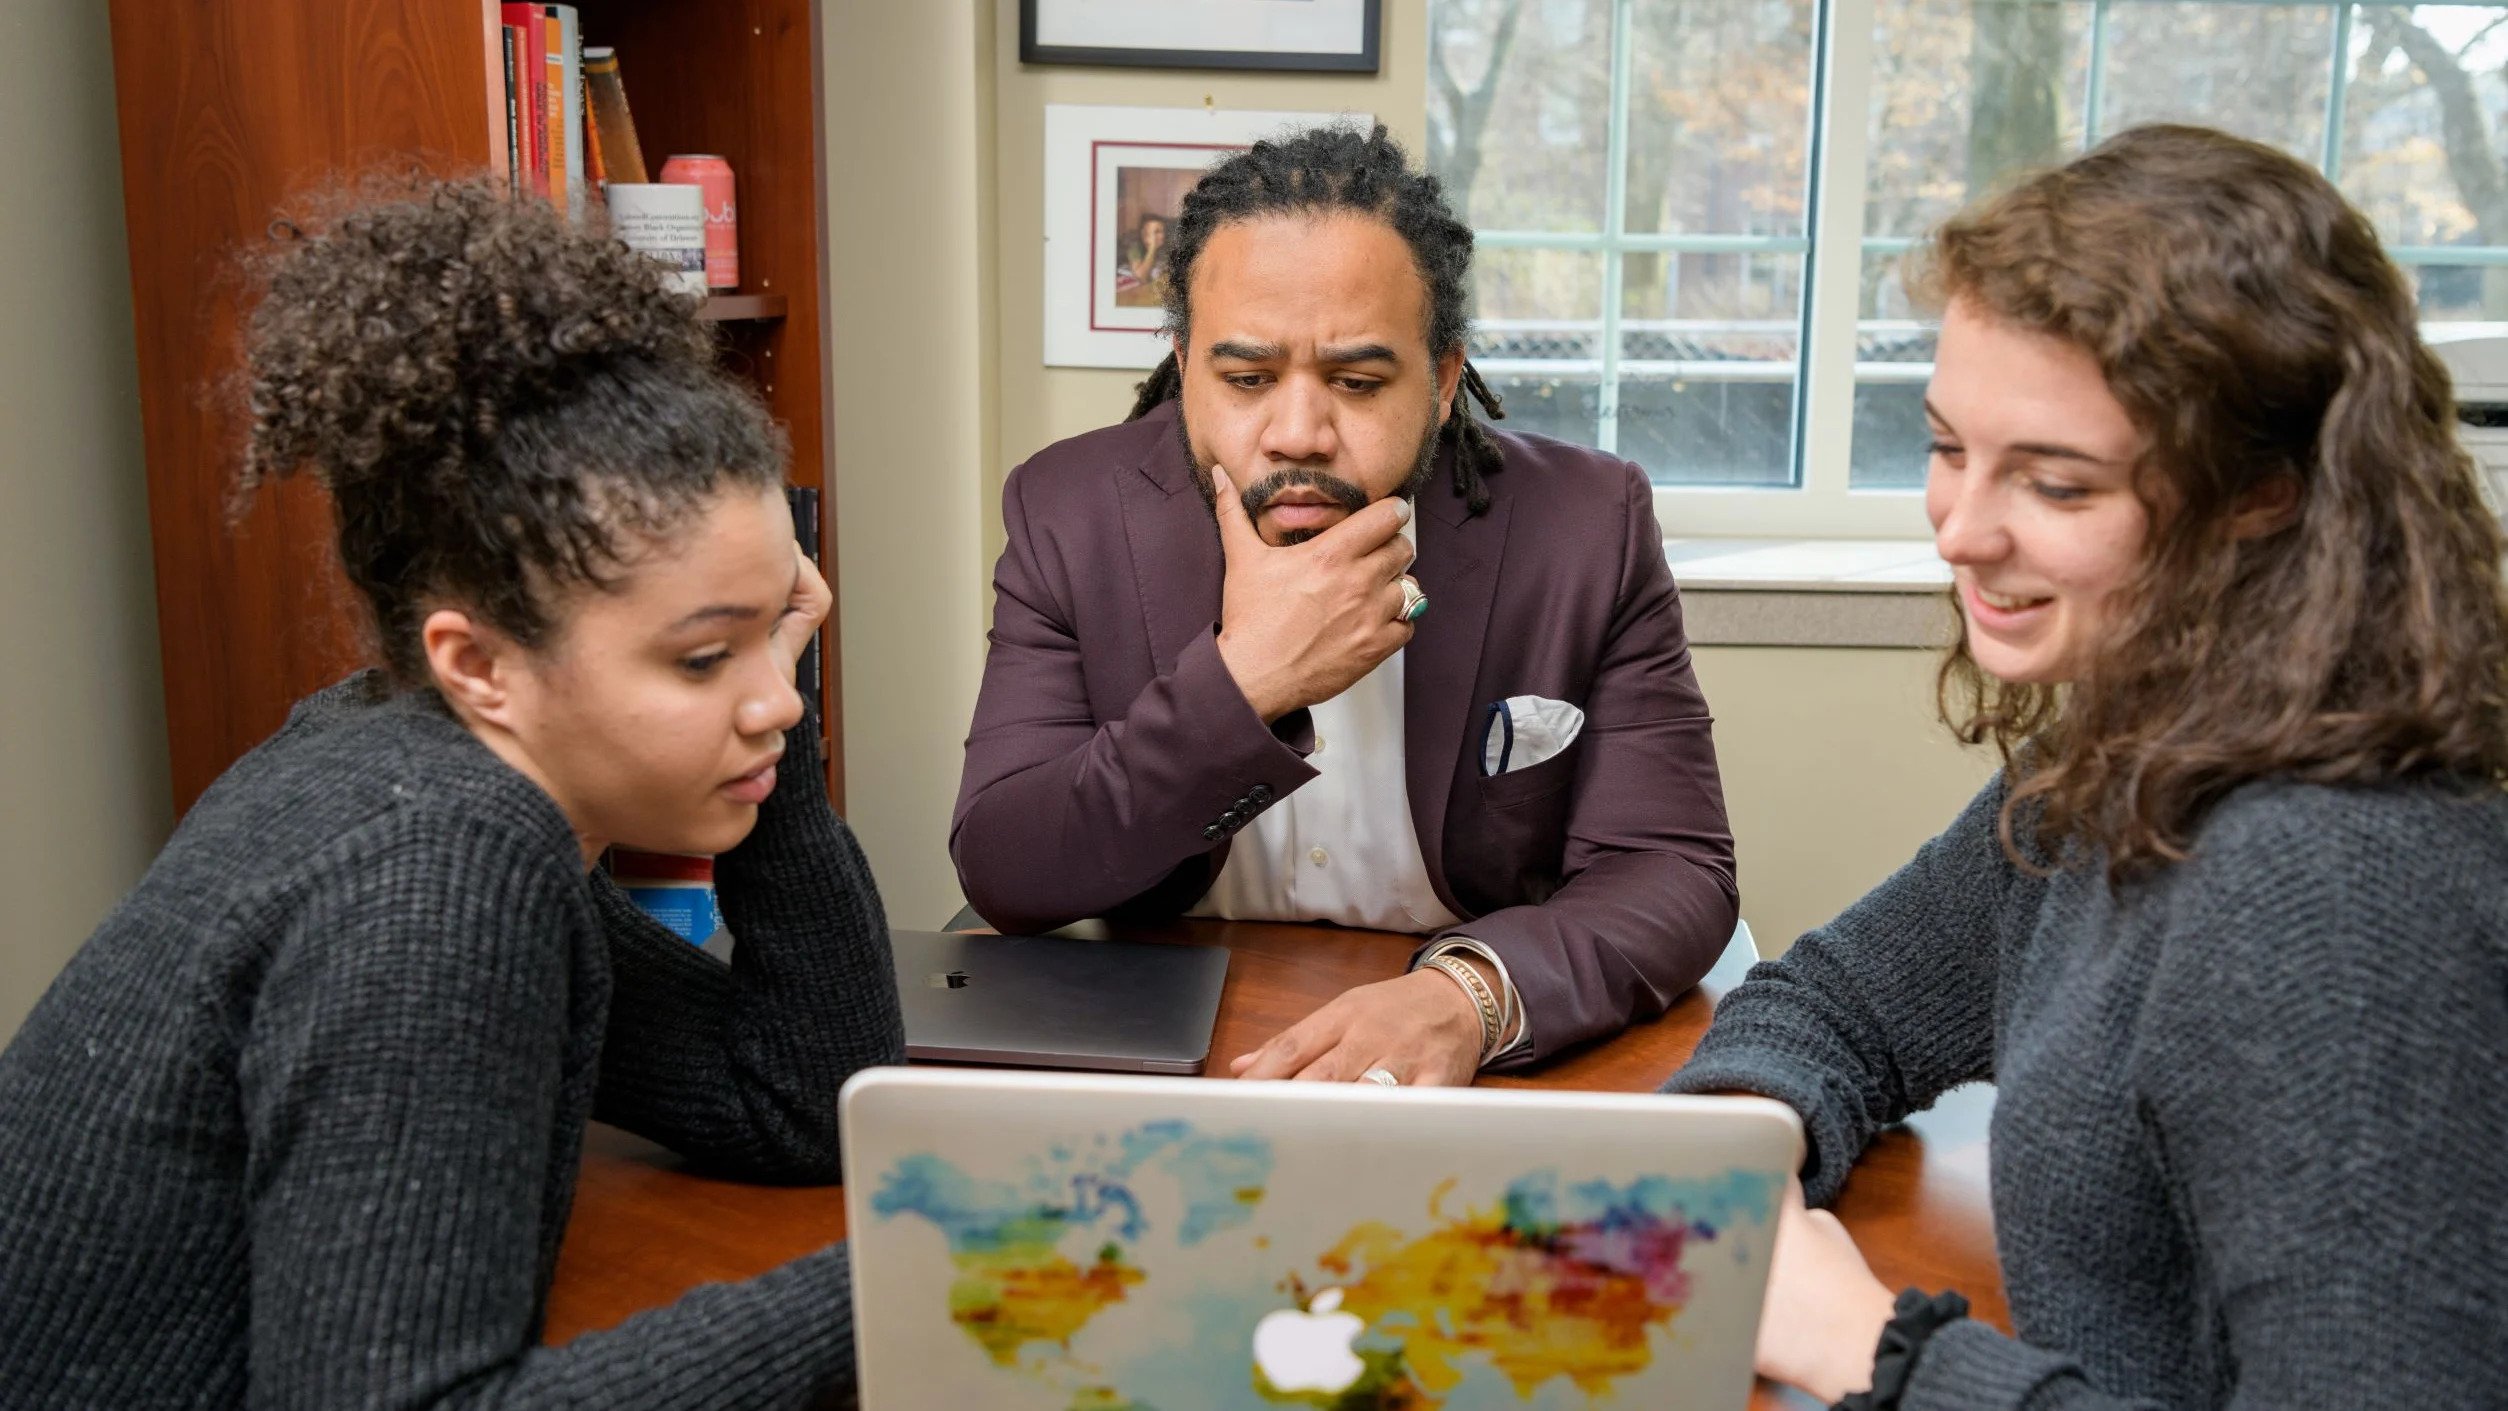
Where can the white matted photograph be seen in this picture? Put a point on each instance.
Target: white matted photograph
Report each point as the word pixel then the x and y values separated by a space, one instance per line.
pixel 1115 179
pixel 1333 36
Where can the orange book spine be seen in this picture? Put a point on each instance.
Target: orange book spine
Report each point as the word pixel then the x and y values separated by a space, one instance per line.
pixel 553 105
pixel 594 173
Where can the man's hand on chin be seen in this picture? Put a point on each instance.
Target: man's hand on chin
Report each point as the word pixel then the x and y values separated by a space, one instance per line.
pixel 1421 1027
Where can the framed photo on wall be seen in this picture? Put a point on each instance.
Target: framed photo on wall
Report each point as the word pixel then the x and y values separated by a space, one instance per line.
pixel 1333 36
pixel 1114 180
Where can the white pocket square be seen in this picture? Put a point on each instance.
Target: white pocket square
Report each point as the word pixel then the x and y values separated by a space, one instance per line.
pixel 1522 731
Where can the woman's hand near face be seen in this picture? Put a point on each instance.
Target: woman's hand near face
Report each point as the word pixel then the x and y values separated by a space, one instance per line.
pixel 1825 1310
pixel 804 613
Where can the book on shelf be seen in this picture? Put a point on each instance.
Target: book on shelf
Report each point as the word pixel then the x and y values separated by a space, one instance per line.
pixel 531 58
pixel 515 175
pixel 804 500
pixel 553 105
pixel 543 89
pixel 568 133
pixel 569 95
pixel 613 130
pixel 594 172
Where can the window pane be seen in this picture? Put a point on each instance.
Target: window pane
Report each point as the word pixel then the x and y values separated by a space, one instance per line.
pixel 1964 94
pixel 1519 110
pixel 1719 121
pixel 2259 70
pixel 1709 349
pixel 1890 436
pixel 1893 358
pixel 2461 293
pixel 1537 338
pixel 1558 292
pixel 1564 405
pixel 2409 131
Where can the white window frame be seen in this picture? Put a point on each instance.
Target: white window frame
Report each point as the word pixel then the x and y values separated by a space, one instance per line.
pixel 1825 505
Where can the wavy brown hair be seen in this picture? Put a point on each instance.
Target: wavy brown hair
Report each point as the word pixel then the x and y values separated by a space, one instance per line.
pixel 2247 320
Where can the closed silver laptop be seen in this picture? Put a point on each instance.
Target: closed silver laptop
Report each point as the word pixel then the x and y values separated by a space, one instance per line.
pixel 1058 1002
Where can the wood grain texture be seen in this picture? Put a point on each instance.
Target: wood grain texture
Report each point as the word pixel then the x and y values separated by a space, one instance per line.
pixel 645 1230
pixel 228 109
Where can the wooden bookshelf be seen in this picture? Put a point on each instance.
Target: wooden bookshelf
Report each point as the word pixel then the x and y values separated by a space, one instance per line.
pixel 230 108
pixel 743 308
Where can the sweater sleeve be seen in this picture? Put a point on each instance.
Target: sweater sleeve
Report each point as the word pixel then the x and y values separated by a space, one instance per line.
pixel 1879 1012
pixel 738 1065
pixel 2319 1063
pixel 399 1085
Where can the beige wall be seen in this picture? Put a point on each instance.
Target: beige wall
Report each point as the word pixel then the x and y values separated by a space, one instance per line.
pixel 83 801
pixel 911 326
pixel 1834 770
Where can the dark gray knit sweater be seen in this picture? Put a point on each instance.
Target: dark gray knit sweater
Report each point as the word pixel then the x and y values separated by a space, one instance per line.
pixel 299 1125
pixel 2250 1141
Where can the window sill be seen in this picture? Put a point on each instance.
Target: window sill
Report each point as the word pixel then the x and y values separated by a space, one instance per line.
pixel 1811 592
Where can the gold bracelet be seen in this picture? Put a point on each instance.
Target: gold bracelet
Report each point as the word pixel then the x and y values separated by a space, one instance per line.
pixel 1511 1019
pixel 1483 999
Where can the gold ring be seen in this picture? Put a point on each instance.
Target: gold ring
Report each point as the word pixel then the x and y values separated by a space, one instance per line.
pixel 1414 601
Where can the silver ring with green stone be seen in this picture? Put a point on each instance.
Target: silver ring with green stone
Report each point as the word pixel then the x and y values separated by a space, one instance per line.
pixel 1414 601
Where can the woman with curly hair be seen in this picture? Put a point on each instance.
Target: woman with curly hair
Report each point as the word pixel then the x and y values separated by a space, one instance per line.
pixel 2229 932
pixel 299 1125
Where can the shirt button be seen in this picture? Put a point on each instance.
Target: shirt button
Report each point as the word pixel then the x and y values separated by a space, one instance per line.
pixel 1319 857
pixel 1319 744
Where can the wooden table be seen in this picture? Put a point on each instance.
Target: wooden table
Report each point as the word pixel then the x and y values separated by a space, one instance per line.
pixel 645 1231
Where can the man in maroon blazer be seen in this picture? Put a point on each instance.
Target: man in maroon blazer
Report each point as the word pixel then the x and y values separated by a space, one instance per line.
pixel 1302 640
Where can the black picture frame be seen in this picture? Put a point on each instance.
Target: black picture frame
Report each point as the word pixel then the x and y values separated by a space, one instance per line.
pixel 1369 59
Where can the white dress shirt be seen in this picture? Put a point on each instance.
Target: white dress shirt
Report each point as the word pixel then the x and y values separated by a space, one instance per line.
pixel 1341 847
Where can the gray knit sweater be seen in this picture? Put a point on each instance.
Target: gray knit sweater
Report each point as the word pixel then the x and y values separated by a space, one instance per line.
pixel 299 1125
pixel 2250 1141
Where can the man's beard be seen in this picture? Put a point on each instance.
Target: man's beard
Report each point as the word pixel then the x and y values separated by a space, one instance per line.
pixel 1257 496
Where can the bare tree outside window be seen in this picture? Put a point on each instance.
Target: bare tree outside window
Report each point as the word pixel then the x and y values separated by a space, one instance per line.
pixel 1673 328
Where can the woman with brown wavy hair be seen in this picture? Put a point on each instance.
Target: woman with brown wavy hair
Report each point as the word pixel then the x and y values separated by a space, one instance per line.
pixel 2227 930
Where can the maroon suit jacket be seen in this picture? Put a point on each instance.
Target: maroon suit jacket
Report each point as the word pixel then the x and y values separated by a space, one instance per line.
pixel 1112 754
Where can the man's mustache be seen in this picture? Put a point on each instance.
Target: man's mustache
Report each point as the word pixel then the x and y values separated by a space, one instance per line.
pixel 1260 494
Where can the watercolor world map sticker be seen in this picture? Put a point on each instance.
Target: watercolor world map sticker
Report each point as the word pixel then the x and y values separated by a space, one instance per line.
pixel 1553 1287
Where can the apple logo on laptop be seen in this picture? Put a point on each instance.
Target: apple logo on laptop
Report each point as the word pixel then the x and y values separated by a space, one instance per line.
pixel 948 980
pixel 1309 1351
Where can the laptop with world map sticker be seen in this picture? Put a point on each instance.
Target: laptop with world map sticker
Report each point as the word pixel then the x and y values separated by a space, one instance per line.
pixel 1070 1242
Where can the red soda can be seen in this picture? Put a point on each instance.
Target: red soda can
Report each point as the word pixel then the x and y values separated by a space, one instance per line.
pixel 712 176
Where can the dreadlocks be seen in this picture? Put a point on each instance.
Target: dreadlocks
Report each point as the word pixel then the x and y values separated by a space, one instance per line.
pixel 1326 169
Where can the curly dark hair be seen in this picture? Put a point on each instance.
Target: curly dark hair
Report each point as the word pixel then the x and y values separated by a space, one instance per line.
pixel 502 405
pixel 1338 168
pixel 2247 320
